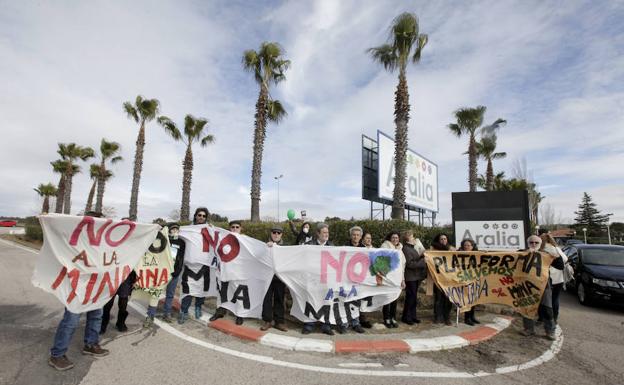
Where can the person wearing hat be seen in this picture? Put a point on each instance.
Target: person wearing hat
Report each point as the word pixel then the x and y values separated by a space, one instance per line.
pixel 273 305
pixel 178 247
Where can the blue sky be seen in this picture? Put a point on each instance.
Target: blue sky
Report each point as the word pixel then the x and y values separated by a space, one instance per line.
pixel 554 70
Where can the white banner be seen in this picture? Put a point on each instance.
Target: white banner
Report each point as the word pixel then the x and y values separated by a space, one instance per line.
pixel 154 269
pixel 493 235
pixel 421 184
pixel 234 268
pixel 331 284
pixel 84 259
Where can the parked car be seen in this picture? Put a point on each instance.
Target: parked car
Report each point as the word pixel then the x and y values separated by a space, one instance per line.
pixel 8 223
pixel 598 272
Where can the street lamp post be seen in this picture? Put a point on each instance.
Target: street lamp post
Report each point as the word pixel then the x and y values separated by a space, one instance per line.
pixel 609 232
pixel 585 234
pixel 277 178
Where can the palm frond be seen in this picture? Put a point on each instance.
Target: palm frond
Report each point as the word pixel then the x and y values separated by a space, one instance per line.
pixel 206 140
pixel 455 129
pixel 131 111
pixel 275 111
pixel 251 63
pixel 422 42
pixel 386 55
pixel 170 127
pixel 494 127
pixel 116 159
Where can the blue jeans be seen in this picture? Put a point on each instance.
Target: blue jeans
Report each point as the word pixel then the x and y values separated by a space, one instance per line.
pixel 67 327
pixel 186 303
pixel 171 287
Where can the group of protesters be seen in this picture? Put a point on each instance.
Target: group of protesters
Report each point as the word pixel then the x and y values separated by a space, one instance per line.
pixel 413 265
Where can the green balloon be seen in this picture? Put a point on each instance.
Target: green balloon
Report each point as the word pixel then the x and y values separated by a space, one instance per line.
pixel 291 214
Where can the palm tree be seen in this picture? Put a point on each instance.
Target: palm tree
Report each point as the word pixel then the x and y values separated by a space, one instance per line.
pixel 486 149
pixel 193 132
pixel 142 111
pixel 108 150
pixel 499 181
pixel 71 152
pixel 94 172
pixel 268 68
pixel 468 121
pixel 46 191
pixel 405 44
pixel 59 166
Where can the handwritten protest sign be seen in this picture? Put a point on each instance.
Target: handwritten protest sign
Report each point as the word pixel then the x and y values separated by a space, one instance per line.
pixel 154 269
pixel 516 279
pixel 234 268
pixel 332 284
pixel 84 259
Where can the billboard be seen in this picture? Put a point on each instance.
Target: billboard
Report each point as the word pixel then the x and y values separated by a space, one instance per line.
pixel 494 220
pixel 421 184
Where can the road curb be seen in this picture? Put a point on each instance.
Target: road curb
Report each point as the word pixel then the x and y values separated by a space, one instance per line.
pixel 381 345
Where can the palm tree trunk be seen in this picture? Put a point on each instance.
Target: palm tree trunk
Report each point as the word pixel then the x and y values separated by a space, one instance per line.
pixel 68 190
pixel 90 198
pixel 472 163
pixel 101 185
pixel 258 147
pixel 138 167
pixel 401 118
pixel 186 184
pixel 489 176
pixel 46 205
pixel 60 195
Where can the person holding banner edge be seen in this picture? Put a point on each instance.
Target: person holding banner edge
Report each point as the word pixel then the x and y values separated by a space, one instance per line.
pixel 273 305
pixel 357 323
pixel 469 316
pixel 199 218
pixel 441 304
pixel 393 241
pixel 66 328
pixel 415 272
pixel 322 239
pixel 545 307
pixel 178 248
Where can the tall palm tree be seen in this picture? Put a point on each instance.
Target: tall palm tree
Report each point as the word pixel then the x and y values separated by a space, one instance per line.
pixel 193 132
pixel 268 67
pixel 486 148
pixel 108 151
pixel 94 172
pixel 405 43
pixel 71 152
pixel 142 111
pixel 59 166
pixel 46 191
pixel 468 121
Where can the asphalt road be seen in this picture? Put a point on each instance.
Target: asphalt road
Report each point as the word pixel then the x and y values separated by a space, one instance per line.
pixel 592 350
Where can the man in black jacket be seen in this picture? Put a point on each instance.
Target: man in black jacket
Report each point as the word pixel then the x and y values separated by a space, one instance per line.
pixel 178 247
pixel 273 304
pixel 415 272
pixel 357 323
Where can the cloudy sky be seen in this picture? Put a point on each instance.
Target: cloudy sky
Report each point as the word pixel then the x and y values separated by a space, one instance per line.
pixel 554 70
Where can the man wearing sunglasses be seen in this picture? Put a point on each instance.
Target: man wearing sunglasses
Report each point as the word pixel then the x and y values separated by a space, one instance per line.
pixel 273 304
pixel 199 218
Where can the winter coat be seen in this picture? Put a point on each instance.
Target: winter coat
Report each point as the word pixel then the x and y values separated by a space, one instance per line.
pixel 301 237
pixel 415 265
pixel 557 265
pixel 315 242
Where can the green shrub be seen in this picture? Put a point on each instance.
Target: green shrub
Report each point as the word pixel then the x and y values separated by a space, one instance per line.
pixel 339 230
pixel 33 231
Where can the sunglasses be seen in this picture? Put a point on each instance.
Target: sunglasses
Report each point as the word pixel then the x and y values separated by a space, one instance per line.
pixel 534 243
pixel 276 232
pixel 234 227
pixel 201 215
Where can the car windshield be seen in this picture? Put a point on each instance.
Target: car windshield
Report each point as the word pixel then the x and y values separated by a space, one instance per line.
pixel 609 257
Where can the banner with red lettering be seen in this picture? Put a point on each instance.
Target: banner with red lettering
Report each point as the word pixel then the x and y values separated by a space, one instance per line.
pixel 84 259
pixel 333 284
pixel 235 268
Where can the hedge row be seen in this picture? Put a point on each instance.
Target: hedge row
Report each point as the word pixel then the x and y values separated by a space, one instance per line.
pixel 339 230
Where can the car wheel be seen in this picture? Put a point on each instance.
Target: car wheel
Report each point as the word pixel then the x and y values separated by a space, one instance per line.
pixel 583 295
